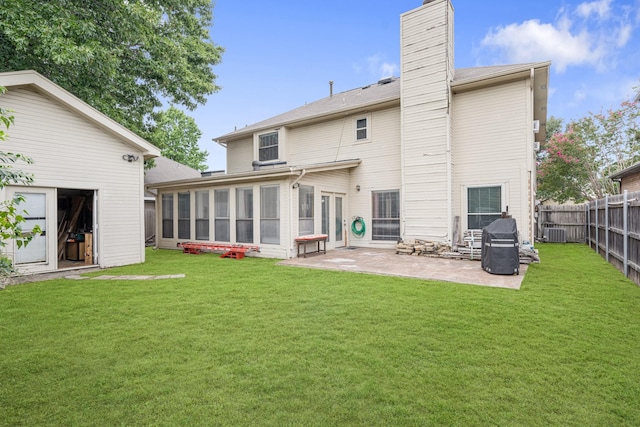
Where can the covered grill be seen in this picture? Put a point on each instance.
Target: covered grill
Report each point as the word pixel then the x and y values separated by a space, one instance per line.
pixel 500 247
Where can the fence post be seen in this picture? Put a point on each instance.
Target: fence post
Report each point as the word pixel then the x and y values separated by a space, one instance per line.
pixel 587 232
pixel 597 241
pixel 625 222
pixel 606 227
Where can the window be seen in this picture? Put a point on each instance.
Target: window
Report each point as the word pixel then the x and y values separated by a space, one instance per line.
pixel 268 146
pixel 326 213
pixel 202 215
pixel 167 216
pixel 270 214
pixel 484 205
pixel 221 209
pixel 184 216
pixel 339 236
pixel 244 215
pixel 385 224
pixel 305 210
pixel 362 129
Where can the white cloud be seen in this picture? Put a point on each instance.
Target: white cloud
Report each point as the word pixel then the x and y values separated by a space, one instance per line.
pixel 592 34
pixel 378 67
pixel 600 8
pixel 533 41
pixel 389 70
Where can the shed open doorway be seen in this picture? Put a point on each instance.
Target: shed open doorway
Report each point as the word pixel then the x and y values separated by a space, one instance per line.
pixel 76 210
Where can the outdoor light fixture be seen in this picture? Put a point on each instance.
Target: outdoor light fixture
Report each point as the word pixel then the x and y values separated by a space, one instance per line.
pixel 358 187
pixel 130 158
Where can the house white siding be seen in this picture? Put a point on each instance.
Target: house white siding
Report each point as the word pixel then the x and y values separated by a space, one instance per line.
pixel 426 70
pixel 71 152
pixel 492 149
pixel 240 156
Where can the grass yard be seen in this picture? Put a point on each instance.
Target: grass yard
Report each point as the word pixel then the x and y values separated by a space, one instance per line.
pixel 247 342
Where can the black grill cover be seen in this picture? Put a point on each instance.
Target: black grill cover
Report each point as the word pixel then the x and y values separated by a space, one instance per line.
pixel 500 248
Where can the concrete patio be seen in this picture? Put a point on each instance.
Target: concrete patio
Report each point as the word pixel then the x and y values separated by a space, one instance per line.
pixel 387 262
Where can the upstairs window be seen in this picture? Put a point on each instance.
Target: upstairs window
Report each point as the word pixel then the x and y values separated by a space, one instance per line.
pixel 363 128
pixel 268 146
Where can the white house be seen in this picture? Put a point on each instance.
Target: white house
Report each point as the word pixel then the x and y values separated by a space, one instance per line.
pixel 89 178
pixel 426 155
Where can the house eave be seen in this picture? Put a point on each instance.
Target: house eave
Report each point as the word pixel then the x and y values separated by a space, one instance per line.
pixel 254 176
pixel 626 172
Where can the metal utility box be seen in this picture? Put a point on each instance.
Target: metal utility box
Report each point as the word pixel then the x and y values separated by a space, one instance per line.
pixel 500 247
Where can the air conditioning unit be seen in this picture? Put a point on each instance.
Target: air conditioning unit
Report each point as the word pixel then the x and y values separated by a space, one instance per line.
pixel 555 235
pixel 536 145
pixel 536 126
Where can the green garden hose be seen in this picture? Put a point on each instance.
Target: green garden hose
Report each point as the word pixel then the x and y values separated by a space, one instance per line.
pixel 357 227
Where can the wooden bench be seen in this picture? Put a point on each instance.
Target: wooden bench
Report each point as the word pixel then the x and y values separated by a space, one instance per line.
pixel 232 251
pixel 313 238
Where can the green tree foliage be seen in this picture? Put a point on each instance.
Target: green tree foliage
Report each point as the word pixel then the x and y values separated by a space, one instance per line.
pixel 124 58
pixel 177 134
pixel 576 164
pixel 10 215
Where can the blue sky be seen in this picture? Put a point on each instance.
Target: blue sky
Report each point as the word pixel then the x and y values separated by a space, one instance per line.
pixel 281 55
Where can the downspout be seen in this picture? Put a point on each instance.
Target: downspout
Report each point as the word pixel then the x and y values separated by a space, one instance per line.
pixel 532 162
pixel 302 173
pixel 293 185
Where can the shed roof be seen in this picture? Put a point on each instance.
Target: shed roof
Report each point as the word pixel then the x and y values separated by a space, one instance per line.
pixel 46 87
pixel 384 92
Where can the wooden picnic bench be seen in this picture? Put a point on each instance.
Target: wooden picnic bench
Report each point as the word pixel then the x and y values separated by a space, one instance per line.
pixel 313 238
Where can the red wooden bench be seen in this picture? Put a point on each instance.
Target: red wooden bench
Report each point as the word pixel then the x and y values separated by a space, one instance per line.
pixel 231 250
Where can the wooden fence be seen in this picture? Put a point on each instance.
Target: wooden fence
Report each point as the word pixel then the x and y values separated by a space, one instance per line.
pixel 610 226
pixel 571 218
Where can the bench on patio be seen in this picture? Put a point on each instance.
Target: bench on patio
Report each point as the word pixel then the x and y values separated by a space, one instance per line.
pixel 312 238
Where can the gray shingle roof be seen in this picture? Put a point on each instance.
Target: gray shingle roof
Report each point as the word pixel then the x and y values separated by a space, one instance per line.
pixel 387 90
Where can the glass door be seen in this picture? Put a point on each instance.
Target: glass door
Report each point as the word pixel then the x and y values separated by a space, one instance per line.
pixel 34 211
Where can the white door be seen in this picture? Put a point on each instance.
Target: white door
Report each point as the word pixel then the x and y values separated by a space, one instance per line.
pixel 333 219
pixel 34 211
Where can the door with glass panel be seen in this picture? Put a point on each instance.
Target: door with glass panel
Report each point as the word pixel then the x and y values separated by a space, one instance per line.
pixel 333 219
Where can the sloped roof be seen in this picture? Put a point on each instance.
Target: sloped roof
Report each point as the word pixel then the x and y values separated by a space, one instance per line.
pixel 341 102
pixel 46 87
pixel 167 170
pixel 382 92
pixel 631 170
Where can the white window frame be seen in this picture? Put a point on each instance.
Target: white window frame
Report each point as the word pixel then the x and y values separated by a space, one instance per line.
pixel 366 128
pixel 282 134
pixel 270 215
pixel 465 199
pixel 381 218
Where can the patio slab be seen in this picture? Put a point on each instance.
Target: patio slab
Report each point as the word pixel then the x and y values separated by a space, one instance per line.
pixel 387 262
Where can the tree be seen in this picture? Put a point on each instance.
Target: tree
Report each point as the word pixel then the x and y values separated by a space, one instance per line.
pixel 576 164
pixel 124 58
pixel 177 134
pixel 10 215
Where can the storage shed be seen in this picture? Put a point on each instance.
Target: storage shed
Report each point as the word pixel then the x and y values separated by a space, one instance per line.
pixel 88 193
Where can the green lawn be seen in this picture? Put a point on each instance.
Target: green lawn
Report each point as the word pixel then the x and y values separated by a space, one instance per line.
pixel 247 342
